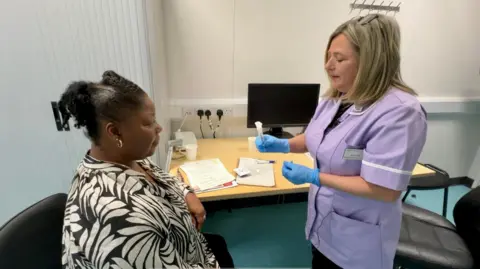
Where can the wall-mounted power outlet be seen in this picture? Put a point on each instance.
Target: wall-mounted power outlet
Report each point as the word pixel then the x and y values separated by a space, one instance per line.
pixel 195 110
pixel 188 111
pixel 227 111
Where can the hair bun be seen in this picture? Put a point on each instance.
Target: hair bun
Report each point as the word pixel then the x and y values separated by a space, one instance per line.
pixel 76 101
pixel 110 74
pixel 111 78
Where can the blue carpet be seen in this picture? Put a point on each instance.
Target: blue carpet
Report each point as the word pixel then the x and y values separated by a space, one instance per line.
pixel 273 236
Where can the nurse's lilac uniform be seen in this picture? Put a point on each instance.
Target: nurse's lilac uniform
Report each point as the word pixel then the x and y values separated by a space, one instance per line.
pixel 381 143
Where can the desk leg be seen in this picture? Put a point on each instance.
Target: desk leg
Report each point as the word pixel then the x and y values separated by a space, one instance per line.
pixel 406 195
pixel 445 202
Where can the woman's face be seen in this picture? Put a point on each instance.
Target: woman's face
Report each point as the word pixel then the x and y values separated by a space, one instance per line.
pixel 341 64
pixel 140 132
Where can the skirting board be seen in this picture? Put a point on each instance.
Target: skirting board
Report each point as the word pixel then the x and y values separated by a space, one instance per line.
pixel 433 105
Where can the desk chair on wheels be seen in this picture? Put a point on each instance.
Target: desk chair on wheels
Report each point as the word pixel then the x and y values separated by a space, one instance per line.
pixel 33 238
pixel 441 180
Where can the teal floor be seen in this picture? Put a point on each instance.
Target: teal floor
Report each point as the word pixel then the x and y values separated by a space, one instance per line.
pixel 273 236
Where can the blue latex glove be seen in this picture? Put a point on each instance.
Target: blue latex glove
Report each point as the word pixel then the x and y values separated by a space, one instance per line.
pixel 272 144
pixel 299 174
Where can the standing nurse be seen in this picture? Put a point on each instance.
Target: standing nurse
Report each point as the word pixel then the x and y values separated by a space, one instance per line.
pixel 366 137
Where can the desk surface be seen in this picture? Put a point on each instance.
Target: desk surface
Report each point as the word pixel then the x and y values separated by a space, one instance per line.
pixel 229 150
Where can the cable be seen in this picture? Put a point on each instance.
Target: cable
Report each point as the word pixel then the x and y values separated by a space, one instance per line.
pixel 208 113
pixel 219 114
pixel 201 129
pixel 200 114
pixel 183 122
pixel 215 131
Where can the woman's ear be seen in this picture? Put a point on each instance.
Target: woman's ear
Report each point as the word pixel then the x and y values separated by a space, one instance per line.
pixel 112 130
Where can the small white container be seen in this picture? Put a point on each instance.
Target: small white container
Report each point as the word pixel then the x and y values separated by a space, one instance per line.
pixel 259 126
pixel 191 151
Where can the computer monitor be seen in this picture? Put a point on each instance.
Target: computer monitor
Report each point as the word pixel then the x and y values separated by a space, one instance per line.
pixel 281 105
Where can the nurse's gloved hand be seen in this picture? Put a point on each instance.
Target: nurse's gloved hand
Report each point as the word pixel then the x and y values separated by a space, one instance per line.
pixel 299 174
pixel 272 144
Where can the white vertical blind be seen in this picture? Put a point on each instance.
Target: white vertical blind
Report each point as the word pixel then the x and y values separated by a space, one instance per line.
pixel 81 39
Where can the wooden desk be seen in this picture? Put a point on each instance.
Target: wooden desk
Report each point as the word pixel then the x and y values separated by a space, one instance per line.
pixel 229 150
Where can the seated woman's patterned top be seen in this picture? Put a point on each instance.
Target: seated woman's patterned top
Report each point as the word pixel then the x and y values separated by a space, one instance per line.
pixel 116 218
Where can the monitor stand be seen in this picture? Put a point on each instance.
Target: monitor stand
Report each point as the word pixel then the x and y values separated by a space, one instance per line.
pixel 279 133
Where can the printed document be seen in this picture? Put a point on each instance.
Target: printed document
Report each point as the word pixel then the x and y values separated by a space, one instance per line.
pixel 206 174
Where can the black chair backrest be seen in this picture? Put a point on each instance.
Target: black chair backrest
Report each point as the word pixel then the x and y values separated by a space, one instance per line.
pixel 33 238
pixel 466 214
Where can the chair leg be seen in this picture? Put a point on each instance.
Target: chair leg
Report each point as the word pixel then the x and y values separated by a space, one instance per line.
pixel 445 202
pixel 406 195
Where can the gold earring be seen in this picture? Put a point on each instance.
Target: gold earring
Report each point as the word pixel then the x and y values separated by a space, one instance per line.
pixel 119 142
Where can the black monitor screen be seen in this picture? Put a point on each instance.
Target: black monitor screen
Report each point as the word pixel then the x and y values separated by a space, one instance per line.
pixel 281 105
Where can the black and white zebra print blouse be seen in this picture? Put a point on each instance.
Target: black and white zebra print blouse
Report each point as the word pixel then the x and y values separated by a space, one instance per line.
pixel 116 218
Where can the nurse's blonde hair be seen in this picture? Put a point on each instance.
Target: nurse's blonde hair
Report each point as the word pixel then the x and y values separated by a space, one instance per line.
pixel 376 41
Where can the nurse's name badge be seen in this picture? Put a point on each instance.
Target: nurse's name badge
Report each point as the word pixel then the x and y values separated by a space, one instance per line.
pixel 353 154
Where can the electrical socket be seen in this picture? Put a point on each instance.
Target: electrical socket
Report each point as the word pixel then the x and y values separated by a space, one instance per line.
pixel 189 111
pixel 227 111
pixel 195 110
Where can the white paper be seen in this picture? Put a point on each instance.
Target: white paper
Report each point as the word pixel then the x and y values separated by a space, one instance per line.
pixel 206 174
pixel 261 173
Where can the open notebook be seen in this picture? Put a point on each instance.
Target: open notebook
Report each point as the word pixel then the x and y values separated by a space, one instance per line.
pixel 261 173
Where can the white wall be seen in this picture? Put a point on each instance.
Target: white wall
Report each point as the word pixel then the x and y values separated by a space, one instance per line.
pixel 284 41
pixel 45 45
pixel 216 47
pixel 199 40
pixel 452 143
pixel 474 172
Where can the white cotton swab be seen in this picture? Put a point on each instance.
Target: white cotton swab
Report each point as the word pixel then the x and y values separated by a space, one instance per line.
pixel 259 129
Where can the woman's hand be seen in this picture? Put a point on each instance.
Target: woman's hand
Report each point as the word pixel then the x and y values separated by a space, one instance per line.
pixel 299 174
pixel 272 144
pixel 196 210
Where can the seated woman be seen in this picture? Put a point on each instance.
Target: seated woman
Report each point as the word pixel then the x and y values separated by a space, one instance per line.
pixel 122 210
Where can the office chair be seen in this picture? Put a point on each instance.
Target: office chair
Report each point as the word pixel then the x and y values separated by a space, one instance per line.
pixel 428 240
pixel 441 180
pixel 33 238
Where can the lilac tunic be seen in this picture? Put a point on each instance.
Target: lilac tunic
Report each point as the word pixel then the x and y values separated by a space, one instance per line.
pixel 381 143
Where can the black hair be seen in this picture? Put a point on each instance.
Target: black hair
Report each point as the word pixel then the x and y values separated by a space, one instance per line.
pixel 89 102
